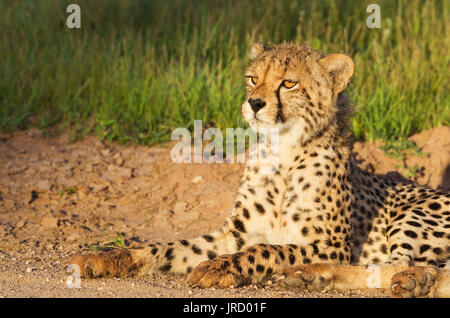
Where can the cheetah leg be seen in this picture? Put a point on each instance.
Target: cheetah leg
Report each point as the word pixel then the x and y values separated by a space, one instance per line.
pixel 340 277
pixel 253 264
pixel 175 257
pixel 400 279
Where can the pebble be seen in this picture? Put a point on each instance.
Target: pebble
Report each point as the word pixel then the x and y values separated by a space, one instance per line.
pixel 74 236
pixel 36 133
pixel 180 207
pixel 197 179
pixel 43 185
pixel 119 161
pixel 98 187
pixel 20 224
pixel 29 270
pixel 49 222
pixel 120 171
pixel 105 152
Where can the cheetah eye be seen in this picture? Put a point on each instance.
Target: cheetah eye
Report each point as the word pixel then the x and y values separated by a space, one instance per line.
pixel 289 84
pixel 253 80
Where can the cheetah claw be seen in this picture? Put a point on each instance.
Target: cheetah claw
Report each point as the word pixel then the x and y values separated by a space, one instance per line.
pixel 305 277
pixel 413 282
pixel 216 273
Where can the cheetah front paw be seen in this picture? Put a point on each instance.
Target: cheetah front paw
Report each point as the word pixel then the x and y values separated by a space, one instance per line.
pixel 220 272
pixel 414 282
pixel 306 277
pixel 115 263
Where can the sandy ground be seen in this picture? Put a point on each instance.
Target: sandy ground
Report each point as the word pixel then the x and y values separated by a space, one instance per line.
pixel 59 198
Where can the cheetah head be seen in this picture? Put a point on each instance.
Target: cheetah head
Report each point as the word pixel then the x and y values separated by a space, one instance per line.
pixel 295 88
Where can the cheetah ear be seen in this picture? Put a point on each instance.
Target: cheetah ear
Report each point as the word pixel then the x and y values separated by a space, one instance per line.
pixel 340 67
pixel 257 49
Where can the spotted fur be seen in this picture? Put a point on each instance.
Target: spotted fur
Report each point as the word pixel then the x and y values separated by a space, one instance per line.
pixel 317 220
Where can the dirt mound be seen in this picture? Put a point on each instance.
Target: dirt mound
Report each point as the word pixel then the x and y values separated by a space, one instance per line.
pixel 429 166
pixel 58 198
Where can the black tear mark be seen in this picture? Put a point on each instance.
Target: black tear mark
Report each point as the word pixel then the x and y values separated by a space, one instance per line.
pixel 34 196
pixel 280 117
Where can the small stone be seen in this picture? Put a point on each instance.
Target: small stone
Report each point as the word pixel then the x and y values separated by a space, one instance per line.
pixel 63 182
pixel 146 170
pixel 72 237
pixel 29 270
pixel 81 194
pixel 105 152
pixel 190 292
pixel 35 133
pixel 99 144
pixel 197 179
pixel 20 224
pixel 94 187
pixel 120 171
pixel 49 222
pixel 89 167
pixel 68 166
pixel 43 185
pixel 180 207
pixel 119 161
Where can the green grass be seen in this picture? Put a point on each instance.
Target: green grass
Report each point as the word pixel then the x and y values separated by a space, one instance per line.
pixel 138 69
pixel 117 242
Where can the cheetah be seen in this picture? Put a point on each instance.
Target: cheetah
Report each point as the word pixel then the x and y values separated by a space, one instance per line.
pixel 318 221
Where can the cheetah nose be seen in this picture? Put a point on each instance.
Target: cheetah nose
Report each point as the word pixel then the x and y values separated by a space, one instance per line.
pixel 256 104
